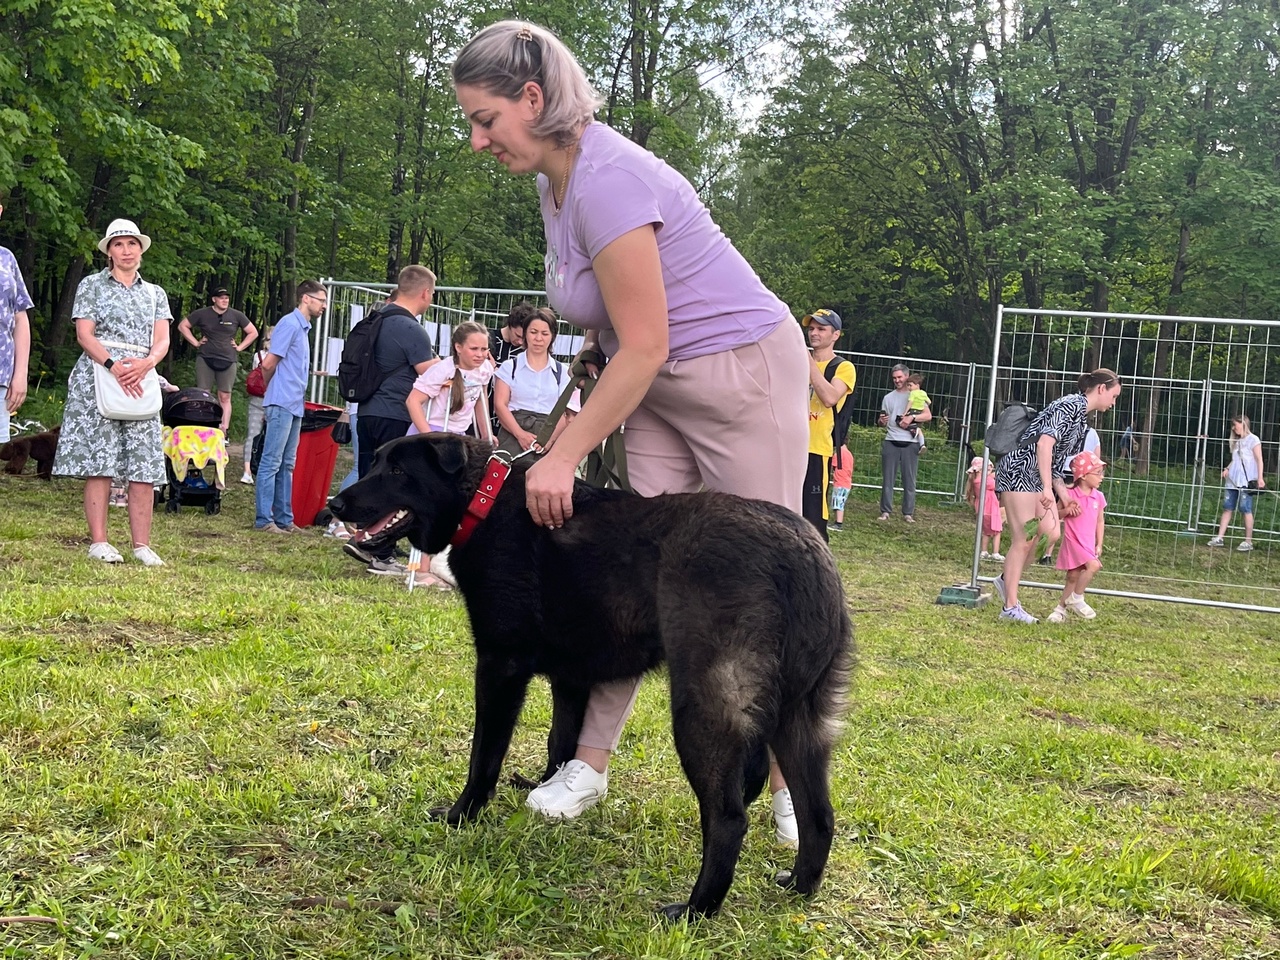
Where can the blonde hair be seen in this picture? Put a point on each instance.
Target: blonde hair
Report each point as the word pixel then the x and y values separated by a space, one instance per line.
pixel 461 334
pixel 506 55
pixel 1102 377
pixel 1233 441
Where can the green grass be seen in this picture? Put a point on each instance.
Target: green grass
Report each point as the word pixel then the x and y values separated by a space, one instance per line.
pixel 234 756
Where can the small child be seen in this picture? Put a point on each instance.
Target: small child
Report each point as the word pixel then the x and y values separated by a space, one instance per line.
pixel 992 520
pixel 1081 537
pixel 917 401
pixel 841 482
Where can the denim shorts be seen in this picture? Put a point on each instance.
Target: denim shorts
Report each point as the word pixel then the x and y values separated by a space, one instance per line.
pixel 1243 497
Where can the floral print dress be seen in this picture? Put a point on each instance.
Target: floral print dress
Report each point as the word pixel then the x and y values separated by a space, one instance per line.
pixel 92 445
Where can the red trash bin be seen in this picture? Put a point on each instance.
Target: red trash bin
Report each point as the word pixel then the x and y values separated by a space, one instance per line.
pixel 317 454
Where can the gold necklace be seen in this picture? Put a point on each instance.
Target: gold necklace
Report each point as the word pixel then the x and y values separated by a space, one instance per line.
pixel 564 179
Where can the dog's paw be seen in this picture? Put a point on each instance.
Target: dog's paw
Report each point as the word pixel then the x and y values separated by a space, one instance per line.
pixel 442 814
pixel 675 912
pixel 524 783
pixel 786 879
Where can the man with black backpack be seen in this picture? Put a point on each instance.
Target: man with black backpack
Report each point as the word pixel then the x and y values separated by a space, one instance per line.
pixel 386 357
pixel 831 381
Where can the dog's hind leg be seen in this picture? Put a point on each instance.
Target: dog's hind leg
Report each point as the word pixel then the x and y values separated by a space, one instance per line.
pixel 756 772
pixel 500 691
pixel 804 755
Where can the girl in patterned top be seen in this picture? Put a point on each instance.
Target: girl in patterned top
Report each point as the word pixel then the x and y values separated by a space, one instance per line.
pixel 1029 477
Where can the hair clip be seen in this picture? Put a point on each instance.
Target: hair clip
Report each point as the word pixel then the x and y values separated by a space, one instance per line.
pixel 525 34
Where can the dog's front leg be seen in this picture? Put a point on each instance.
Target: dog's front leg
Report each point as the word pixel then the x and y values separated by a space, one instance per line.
pixel 568 707
pixel 500 690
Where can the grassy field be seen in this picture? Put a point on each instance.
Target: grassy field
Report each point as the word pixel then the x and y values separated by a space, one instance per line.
pixel 233 756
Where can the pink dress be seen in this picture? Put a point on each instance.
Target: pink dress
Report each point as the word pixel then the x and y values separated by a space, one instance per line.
pixel 1080 534
pixel 991 522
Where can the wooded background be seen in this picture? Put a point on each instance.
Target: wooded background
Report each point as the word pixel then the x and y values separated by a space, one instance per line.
pixel 909 164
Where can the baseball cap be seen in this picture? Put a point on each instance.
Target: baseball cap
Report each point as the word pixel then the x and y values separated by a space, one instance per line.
pixel 828 318
pixel 219 292
pixel 1085 462
pixel 975 465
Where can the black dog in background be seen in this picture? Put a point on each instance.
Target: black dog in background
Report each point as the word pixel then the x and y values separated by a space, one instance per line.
pixel 740 598
pixel 40 447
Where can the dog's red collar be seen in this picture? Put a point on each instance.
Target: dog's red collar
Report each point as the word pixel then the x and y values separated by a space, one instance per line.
pixel 495 476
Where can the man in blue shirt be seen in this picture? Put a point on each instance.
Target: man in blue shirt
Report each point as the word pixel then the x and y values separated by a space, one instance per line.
pixel 285 370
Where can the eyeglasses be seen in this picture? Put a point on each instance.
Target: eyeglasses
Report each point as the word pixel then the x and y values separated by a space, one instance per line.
pixel 323 301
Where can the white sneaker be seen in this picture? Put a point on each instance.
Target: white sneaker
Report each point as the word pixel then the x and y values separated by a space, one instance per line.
pixel 1059 615
pixel 572 789
pixel 1075 603
pixel 785 829
pixel 105 552
pixel 997 558
pixel 147 557
pixel 1245 546
pixel 1215 542
pixel 984 555
pixel 247 478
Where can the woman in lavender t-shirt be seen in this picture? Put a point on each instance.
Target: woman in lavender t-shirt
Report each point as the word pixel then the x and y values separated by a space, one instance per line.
pixel 705 364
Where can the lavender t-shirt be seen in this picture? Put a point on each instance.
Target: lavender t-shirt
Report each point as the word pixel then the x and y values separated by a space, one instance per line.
pixel 715 301
pixel 13 300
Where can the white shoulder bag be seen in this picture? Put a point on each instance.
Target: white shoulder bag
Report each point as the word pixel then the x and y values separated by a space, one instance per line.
pixel 113 402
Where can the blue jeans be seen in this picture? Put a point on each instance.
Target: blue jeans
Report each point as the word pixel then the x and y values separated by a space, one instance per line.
pixel 274 491
pixel 1244 497
pixel 354 475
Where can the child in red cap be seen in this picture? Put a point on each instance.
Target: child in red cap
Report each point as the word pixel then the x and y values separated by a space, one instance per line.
pixel 1081 537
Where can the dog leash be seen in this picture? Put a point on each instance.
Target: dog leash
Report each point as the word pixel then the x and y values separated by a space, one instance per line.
pixel 606 465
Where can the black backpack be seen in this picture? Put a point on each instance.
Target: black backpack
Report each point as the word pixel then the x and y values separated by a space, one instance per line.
pixel 843 414
pixel 1003 435
pixel 358 373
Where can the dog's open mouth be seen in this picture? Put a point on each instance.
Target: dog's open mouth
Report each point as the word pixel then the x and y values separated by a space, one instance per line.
pixel 387 530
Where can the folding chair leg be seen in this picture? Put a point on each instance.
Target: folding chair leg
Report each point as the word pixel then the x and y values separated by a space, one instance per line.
pixel 414 565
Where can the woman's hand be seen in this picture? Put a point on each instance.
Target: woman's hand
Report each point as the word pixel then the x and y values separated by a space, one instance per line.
pixel 1069 508
pixel 526 439
pixel 548 491
pixel 129 372
pixel 1224 474
pixel 1262 483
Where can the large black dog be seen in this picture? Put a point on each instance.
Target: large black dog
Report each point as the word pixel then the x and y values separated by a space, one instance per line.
pixel 740 598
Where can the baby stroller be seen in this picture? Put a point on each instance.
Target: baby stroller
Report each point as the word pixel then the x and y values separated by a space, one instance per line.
pixel 193 441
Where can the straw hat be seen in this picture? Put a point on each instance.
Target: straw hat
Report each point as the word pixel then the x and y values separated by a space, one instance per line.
pixel 124 228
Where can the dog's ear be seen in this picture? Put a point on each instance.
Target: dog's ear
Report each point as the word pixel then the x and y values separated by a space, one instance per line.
pixel 451 454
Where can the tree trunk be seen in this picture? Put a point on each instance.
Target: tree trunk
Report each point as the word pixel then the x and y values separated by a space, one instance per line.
pixel 62 320
pixel 295 195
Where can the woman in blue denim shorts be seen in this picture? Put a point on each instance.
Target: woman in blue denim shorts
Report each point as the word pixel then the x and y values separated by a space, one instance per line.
pixel 1243 476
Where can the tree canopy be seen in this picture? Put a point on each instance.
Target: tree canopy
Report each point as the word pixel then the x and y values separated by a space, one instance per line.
pixel 912 165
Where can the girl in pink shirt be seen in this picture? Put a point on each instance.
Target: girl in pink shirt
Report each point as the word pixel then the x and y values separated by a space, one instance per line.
pixel 1081 545
pixel 452 390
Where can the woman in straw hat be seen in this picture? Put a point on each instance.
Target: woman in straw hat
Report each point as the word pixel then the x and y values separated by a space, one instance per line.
pixel 122 323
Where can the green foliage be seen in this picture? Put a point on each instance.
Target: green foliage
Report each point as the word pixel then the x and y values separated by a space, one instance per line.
pixel 235 755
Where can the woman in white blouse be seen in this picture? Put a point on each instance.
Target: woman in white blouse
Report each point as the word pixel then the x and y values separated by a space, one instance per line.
pixel 527 387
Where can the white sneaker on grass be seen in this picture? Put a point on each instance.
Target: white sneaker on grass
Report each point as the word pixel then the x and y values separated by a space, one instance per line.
pixel 147 557
pixel 1245 546
pixel 105 552
pixel 1016 614
pixel 1215 542
pixel 571 790
pixel 785 829
pixel 1075 603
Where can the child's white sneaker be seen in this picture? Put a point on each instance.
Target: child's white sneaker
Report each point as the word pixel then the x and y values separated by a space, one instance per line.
pixel 1075 603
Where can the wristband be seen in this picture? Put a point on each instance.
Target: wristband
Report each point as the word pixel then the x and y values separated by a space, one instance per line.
pixel 108 363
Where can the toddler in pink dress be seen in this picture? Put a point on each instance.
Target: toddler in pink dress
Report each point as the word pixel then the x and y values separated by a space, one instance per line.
pixel 992 518
pixel 1081 545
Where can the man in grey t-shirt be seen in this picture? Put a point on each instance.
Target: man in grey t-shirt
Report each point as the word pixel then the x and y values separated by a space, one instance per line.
pixel 217 350
pixel 899 450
